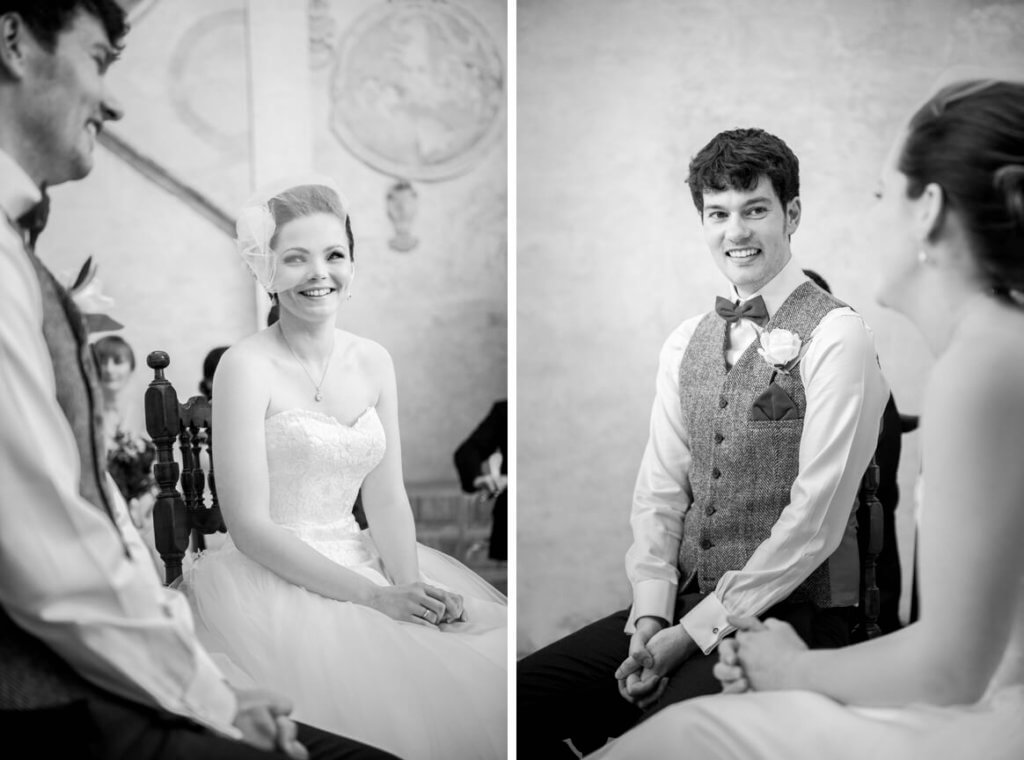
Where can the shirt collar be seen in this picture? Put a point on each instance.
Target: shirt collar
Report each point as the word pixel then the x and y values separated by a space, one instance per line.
pixel 779 288
pixel 18 193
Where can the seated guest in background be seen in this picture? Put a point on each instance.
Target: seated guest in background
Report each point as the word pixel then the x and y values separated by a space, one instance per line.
pixel 209 367
pixel 97 659
pixel 474 462
pixel 116 362
pixel 765 417
pixel 950 222
pixel 129 454
pixel 371 633
pixel 887 457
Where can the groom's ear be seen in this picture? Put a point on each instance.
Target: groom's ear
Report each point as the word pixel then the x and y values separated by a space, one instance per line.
pixel 793 212
pixel 14 35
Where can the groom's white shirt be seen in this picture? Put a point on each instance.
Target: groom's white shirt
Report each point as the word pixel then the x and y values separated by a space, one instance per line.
pixel 64 575
pixel 846 395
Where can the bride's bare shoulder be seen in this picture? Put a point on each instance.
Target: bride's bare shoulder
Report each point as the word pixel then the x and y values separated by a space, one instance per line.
pixel 982 371
pixel 252 352
pixel 364 351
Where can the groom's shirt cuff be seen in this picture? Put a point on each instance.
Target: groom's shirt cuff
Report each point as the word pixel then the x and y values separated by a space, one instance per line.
pixel 707 624
pixel 653 598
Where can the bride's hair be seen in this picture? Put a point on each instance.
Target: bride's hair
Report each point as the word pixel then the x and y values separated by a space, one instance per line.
pixel 969 139
pixel 305 200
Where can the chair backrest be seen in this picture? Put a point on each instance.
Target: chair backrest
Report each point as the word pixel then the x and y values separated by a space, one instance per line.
pixel 180 517
pixel 871 540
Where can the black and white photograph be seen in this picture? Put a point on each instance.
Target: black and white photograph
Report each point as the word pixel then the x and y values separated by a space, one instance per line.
pixel 494 379
pixel 769 372
pixel 251 507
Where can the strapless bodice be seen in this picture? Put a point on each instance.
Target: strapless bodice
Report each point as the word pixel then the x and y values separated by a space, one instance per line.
pixel 317 464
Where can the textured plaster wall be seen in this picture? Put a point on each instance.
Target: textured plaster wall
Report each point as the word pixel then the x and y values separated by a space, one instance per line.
pixel 178 285
pixel 614 97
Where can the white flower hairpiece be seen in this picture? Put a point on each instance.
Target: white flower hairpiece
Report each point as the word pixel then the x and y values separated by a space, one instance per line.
pixel 255 226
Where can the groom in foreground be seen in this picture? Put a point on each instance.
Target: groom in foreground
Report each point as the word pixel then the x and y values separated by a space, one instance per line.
pixel 766 414
pixel 97 659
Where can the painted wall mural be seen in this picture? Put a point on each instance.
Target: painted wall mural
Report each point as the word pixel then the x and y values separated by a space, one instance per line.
pixel 418 89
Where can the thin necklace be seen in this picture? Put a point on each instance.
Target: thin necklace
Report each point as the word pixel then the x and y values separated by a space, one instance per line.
pixel 318 396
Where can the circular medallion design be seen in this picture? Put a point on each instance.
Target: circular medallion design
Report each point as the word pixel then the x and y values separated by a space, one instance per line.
pixel 418 89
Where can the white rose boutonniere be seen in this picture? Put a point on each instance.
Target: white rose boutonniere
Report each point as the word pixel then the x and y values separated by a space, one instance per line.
pixel 782 349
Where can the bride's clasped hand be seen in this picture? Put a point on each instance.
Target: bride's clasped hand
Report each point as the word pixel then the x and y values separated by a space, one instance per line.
pixel 418 603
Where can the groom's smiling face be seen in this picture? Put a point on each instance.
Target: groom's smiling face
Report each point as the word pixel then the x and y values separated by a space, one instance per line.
pixel 747 232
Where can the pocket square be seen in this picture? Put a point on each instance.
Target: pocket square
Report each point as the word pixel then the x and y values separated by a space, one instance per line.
pixel 774 404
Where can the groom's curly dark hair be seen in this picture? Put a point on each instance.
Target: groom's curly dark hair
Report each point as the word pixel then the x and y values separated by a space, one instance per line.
pixel 737 159
pixel 46 19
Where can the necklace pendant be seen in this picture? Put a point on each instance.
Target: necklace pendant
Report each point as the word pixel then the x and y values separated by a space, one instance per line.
pixel 318 397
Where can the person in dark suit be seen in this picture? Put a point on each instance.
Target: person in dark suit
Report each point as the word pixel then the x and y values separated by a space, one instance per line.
pixel 472 460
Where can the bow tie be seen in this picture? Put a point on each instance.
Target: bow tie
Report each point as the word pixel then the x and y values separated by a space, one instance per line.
pixel 34 220
pixel 754 310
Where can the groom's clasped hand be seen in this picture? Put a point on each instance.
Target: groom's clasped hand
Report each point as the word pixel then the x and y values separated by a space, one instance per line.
pixel 758 658
pixel 419 603
pixel 654 654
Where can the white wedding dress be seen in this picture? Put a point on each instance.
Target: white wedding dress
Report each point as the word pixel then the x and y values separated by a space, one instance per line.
pixel 801 725
pixel 415 691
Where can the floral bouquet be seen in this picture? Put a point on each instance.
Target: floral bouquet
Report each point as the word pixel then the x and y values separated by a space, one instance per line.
pixel 130 463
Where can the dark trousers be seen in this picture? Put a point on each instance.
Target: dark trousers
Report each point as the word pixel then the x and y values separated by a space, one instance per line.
pixel 567 690
pixel 114 729
pixel 498 546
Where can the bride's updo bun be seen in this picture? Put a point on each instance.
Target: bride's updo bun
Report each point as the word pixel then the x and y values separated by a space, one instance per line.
pixel 1010 182
pixel 969 139
pixel 305 200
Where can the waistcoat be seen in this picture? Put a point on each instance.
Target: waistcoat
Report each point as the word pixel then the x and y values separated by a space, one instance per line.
pixel 742 469
pixel 31 674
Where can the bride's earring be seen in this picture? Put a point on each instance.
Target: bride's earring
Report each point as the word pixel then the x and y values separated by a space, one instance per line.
pixel 922 257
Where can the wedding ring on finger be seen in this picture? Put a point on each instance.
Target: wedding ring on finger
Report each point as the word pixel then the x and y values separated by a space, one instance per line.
pixel 427 615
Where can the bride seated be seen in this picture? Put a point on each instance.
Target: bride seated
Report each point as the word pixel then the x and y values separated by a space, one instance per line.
pixel 371 634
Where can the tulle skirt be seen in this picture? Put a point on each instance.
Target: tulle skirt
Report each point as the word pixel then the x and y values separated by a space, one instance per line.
pixel 800 725
pixel 415 691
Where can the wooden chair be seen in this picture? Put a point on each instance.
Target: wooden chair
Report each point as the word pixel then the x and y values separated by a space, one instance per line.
pixel 181 518
pixel 870 538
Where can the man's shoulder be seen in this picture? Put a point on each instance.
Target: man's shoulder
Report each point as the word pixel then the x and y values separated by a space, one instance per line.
pixel 17 276
pixel 680 337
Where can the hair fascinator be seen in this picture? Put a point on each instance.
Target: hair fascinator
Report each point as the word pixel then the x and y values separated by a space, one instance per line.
pixel 254 230
pixel 255 226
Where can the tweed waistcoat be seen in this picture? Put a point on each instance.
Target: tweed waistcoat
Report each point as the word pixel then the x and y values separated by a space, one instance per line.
pixel 742 469
pixel 31 674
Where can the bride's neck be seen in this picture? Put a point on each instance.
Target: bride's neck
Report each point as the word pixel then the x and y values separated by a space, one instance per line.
pixel 949 308
pixel 309 340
